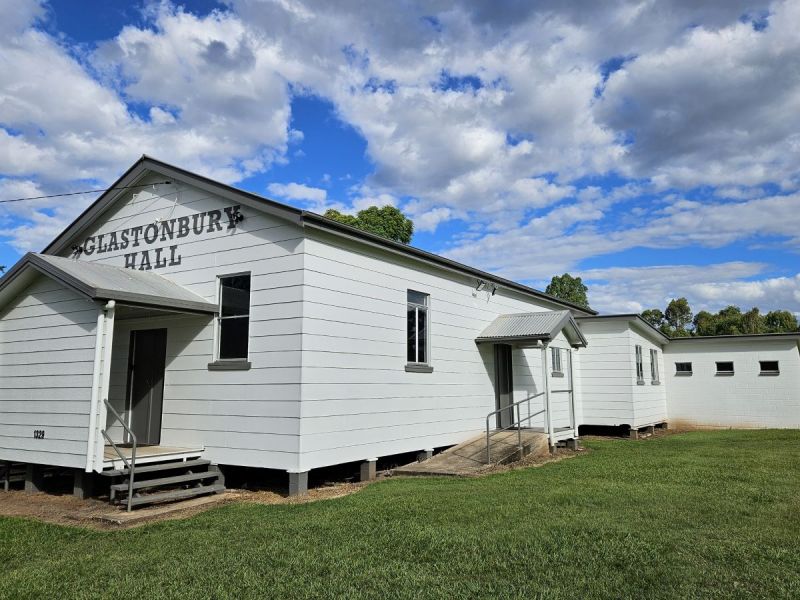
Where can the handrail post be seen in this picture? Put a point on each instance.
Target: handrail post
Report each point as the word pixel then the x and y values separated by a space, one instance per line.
pixel 132 465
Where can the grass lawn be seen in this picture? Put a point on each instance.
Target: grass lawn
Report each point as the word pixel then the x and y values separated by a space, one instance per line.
pixel 707 515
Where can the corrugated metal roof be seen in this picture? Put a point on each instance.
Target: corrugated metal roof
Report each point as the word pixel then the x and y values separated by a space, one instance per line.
pixel 532 326
pixel 106 282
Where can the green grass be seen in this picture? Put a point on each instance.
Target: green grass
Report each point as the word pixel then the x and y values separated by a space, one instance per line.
pixel 691 515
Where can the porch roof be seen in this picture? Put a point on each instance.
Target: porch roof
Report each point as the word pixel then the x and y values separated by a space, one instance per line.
pixel 106 282
pixel 532 326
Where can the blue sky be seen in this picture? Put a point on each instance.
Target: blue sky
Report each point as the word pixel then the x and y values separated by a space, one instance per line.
pixel 650 148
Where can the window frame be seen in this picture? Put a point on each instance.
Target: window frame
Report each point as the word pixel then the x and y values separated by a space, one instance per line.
pixel 222 362
pixel 769 372
pixel 686 373
pixel 639 364
pixel 725 373
pixel 418 366
pixel 557 364
pixel 655 372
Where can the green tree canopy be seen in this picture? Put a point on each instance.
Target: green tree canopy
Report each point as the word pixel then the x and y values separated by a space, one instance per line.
pixel 678 315
pixel 568 288
pixel 386 221
pixel 780 321
pixel 653 316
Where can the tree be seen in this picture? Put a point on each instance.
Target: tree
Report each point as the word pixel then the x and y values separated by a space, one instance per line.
pixel 568 288
pixel 752 322
pixel 386 221
pixel 653 316
pixel 780 321
pixel 678 315
pixel 705 323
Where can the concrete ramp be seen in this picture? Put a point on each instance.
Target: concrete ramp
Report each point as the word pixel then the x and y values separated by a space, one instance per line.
pixel 469 458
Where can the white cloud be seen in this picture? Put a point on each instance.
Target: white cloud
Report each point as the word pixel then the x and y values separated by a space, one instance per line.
pixel 297 191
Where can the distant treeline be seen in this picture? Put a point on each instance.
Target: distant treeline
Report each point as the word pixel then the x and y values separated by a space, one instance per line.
pixel 677 320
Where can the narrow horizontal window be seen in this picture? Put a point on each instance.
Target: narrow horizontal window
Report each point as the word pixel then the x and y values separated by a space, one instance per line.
pixel 724 368
pixel 769 367
pixel 683 368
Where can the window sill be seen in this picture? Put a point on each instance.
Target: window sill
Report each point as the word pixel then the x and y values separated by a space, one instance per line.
pixel 769 373
pixel 557 374
pixel 723 374
pixel 683 374
pixel 229 365
pixel 418 368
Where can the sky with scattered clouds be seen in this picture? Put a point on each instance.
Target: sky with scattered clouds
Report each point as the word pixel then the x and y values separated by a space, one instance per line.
pixel 652 147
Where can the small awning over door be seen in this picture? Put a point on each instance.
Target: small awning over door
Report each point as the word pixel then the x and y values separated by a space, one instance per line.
pixel 534 326
pixel 104 282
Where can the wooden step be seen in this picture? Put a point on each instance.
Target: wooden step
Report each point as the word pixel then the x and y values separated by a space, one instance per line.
pixel 148 483
pixel 165 466
pixel 176 495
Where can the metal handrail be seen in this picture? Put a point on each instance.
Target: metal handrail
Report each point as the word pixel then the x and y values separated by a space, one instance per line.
pixel 130 465
pixel 518 423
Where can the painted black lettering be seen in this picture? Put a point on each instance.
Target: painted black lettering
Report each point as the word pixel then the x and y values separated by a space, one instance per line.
pixel 198 222
pixel 123 236
pixel 183 227
pixel 101 249
pixel 234 216
pixel 214 217
pixel 88 249
pixel 113 245
pixel 174 260
pixel 167 229
pixel 150 233
pixel 160 261
pixel 144 265
pixel 136 231
pixel 130 260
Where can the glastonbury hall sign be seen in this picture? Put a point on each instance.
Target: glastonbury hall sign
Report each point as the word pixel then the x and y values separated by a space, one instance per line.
pixel 160 233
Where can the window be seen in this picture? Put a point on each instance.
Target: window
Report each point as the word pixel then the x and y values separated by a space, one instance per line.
pixel 234 316
pixel 417 317
pixel 654 366
pixel 683 368
pixel 769 367
pixel 556 354
pixel 725 368
pixel 639 366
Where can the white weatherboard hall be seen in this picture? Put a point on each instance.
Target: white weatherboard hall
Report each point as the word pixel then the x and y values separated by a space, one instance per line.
pixel 180 324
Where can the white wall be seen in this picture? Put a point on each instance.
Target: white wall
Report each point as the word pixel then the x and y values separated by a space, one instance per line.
pixel 611 394
pixel 357 400
pixel 247 418
pixel 744 400
pixel 650 399
pixel 47 345
pixel 606 373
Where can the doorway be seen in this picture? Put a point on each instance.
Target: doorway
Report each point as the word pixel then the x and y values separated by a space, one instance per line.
pixel 147 356
pixel 504 385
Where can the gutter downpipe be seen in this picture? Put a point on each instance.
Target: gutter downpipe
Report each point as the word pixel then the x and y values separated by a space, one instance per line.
pixel 97 384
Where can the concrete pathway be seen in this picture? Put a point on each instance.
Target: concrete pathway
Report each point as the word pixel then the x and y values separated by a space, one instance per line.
pixel 469 458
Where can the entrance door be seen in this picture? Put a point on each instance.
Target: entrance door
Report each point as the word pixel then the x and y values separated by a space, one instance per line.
pixel 504 384
pixel 146 359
